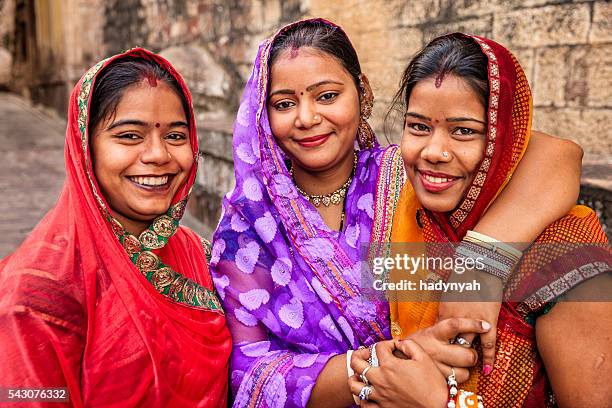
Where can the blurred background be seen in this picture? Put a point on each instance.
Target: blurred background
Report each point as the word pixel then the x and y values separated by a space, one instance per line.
pixel 565 48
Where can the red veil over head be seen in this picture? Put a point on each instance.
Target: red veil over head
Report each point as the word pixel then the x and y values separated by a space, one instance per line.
pixel 115 318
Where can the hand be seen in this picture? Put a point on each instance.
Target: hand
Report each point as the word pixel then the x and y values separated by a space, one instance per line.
pixel 412 382
pixel 435 341
pixel 472 308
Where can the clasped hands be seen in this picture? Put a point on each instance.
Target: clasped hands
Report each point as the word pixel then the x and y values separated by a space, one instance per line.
pixel 412 372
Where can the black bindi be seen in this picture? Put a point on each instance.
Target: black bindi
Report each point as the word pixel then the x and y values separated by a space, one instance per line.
pixel 301 93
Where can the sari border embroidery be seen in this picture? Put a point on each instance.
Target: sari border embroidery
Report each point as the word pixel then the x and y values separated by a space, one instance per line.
pixel 164 279
pixel 561 285
pixel 461 213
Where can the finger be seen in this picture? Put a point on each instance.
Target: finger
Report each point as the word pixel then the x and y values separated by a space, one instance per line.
pixel 450 328
pixel 355 385
pixel 411 349
pixel 455 355
pixel 487 341
pixel 358 364
pixel 362 353
pixel 461 374
pixel 384 351
pixel 469 337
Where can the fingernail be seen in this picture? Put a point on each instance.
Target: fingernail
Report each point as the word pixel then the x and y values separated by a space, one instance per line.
pixel 486 369
pixel 485 325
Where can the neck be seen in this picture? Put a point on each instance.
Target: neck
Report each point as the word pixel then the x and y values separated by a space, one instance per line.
pixel 134 227
pixel 325 181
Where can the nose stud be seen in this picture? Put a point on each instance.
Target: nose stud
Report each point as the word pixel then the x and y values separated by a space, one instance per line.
pixel 316 118
pixel 169 155
pixel 445 155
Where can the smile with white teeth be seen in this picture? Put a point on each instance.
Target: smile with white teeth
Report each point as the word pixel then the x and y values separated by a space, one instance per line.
pixel 150 181
pixel 437 180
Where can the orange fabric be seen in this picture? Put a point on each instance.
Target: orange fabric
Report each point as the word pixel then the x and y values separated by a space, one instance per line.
pixel 75 311
pixel 518 378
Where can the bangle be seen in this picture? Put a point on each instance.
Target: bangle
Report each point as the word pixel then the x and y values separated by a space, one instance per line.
pixel 373 360
pixel 497 258
pixel 458 398
pixel 493 244
pixel 351 372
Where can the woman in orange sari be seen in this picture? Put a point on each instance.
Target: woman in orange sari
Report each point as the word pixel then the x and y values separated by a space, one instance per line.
pixel 467 124
pixel 109 297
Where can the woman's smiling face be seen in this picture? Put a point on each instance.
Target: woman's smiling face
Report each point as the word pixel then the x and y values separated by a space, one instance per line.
pixel 443 141
pixel 313 108
pixel 142 155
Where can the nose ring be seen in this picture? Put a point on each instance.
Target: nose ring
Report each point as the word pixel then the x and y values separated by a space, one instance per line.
pixel 445 155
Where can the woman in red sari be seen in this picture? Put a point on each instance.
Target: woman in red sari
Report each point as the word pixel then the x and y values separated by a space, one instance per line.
pixel 109 296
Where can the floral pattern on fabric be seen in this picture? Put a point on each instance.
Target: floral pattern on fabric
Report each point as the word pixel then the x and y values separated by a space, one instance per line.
pixel 291 287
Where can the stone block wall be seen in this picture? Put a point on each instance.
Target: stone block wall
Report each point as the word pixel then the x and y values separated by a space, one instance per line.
pixel 565 48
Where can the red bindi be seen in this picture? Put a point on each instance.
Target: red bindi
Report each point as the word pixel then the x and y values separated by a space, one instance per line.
pixel 152 80
pixel 157 125
pixel 439 80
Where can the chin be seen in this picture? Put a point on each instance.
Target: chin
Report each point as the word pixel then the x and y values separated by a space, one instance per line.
pixel 437 203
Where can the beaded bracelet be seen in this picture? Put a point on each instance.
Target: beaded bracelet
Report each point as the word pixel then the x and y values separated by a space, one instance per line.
pixel 458 398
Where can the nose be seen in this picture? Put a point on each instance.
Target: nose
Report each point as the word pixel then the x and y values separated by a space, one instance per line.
pixel 155 151
pixel 437 148
pixel 307 116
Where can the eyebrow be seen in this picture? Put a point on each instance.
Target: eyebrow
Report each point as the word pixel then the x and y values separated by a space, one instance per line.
pixel 136 122
pixel 308 89
pixel 457 119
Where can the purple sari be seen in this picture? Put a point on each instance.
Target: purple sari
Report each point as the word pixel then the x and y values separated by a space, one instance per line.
pixel 290 285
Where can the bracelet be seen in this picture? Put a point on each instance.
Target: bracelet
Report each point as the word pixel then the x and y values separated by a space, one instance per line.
pixel 493 244
pixel 351 372
pixel 459 398
pixel 492 263
pixel 373 360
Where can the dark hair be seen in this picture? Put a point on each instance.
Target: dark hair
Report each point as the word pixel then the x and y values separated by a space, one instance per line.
pixel 323 37
pixel 451 54
pixel 119 75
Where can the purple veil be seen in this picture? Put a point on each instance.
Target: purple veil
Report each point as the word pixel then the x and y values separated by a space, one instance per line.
pixel 289 284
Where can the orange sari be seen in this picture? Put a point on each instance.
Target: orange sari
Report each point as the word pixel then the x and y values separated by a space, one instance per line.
pixel 518 378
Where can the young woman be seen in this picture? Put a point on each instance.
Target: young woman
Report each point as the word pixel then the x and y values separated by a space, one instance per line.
pixel 467 110
pixel 109 296
pixel 310 177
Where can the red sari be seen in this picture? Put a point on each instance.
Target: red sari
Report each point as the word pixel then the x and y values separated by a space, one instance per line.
pixel 116 319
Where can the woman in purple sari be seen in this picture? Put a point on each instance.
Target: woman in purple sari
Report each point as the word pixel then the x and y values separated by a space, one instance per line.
pixel 286 263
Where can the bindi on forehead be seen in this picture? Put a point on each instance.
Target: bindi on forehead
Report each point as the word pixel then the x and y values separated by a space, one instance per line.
pixel 157 125
pixel 439 80
pixel 151 80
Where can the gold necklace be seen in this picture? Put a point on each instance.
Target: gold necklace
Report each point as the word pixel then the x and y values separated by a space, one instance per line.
pixel 335 197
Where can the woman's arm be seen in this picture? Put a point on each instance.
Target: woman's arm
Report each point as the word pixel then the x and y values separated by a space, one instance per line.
pixel 574 342
pixel 544 188
pixel 331 388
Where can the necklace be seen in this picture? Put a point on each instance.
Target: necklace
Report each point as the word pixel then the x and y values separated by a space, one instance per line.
pixel 335 197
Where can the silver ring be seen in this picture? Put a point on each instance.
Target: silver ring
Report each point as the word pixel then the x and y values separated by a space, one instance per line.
pixel 363 377
pixel 365 392
pixel 462 342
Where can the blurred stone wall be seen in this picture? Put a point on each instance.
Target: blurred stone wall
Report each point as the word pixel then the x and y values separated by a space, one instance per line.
pixel 565 48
